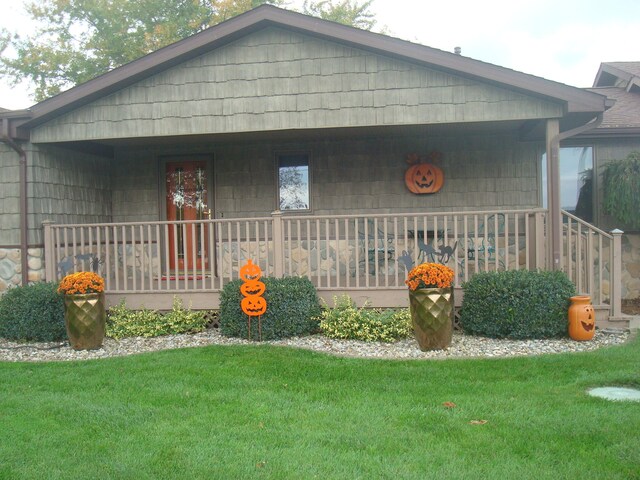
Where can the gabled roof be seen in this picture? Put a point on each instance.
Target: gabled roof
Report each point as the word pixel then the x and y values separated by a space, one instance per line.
pixel 626 111
pixel 576 100
pixel 619 74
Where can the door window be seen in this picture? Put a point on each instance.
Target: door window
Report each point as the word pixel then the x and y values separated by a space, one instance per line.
pixel 187 197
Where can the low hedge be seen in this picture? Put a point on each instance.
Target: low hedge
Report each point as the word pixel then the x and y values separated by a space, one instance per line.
pixel 293 309
pixel 346 321
pixel 124 322
pixel 33 313
pixel 516 304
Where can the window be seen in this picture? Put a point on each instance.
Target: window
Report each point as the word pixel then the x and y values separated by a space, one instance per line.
pixel 576 181
pixel 293 181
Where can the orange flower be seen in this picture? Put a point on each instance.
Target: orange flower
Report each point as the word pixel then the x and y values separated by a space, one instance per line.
pixel 429 275
pixel 81 282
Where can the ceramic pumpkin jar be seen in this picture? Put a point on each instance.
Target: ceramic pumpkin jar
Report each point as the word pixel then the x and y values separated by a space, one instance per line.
pixel 582 320
pixel 424 178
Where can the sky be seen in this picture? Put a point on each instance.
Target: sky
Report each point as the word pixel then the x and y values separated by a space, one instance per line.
pixel 560 40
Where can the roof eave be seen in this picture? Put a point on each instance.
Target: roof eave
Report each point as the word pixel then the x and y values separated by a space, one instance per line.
pixel 603 132
pixel 576 100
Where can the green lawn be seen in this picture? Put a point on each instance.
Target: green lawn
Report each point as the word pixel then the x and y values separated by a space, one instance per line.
pixel 272 412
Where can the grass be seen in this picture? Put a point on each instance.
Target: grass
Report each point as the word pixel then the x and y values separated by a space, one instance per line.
pixel 273 412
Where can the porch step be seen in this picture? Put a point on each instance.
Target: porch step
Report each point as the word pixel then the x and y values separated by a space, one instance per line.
pixel 624 322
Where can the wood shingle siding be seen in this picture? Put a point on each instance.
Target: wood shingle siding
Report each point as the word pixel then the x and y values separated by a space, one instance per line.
pixel 363 174
pixel 66 187
pixel 274 79
pixel 9 196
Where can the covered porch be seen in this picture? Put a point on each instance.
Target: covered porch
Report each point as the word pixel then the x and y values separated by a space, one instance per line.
pixel 366 256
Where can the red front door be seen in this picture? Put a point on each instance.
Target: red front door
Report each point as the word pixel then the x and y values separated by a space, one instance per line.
pixel 187 199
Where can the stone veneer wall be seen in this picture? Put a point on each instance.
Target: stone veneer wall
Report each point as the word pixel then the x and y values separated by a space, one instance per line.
pixel 11 268
pixel 631 266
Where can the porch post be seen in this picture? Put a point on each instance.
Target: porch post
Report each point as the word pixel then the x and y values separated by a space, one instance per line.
pixel 49 261
pixel 615 280
pixel 539 245
pixel 554 224
pixel 278 244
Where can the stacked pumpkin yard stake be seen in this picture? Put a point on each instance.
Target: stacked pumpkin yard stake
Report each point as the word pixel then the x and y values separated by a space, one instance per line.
pixel 253 304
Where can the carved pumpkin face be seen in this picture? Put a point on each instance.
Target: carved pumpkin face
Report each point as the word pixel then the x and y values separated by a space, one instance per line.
pixel 250 271
pixel 424 178
pixel 588 322
pixel 254 306
pixel 252 288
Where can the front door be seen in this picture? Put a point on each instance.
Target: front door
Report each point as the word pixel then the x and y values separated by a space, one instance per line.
pixel 187 200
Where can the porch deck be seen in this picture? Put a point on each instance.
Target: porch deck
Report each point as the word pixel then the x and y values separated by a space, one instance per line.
pixel 365 256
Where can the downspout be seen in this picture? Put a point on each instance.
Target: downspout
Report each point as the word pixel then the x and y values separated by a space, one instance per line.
pixel 554 185
pixel 24 249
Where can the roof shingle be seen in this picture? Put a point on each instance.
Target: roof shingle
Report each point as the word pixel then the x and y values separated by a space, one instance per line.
pixel 626 111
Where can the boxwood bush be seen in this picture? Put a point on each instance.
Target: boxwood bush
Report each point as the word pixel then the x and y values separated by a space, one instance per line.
pixel 293 309
pixel 516 304
pixel 33 313
pixel 346 321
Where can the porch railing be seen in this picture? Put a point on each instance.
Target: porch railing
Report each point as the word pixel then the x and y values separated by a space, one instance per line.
pixel 591 259
pixel 155 257
pixel 335 252
pixel 376 251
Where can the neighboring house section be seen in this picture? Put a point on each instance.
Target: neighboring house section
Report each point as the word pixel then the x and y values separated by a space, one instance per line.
pixel 285 138
pixel 616 137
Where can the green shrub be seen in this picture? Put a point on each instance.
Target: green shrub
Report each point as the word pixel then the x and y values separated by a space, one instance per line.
pixel 516 304
pixel 621 190
pixel 293 309
pixel 33 313
pixel 345 321
pixel 124 322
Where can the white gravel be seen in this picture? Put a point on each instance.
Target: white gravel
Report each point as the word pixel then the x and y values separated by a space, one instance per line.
pixel 462 346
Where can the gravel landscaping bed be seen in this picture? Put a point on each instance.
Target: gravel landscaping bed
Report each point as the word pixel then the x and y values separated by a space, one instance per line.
pixel 462 346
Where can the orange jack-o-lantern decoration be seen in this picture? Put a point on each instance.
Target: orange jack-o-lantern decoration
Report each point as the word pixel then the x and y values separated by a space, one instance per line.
pixel 254 305
pixel 250 271
pixel 582 320
pixel 424 178
pixel 252 288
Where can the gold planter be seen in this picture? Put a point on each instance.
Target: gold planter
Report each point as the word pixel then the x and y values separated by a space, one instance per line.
pixel 432 317
pixel 84 317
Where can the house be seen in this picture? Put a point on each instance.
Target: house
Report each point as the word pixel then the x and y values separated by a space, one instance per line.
pixel 286 139
pixel 615 138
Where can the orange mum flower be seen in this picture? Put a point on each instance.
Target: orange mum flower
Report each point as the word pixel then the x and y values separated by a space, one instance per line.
pixel 81 282
pixel 429 275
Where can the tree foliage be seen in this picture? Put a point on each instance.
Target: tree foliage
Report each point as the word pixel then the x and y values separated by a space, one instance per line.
pixel 76 40
pixel 347 12
pixel 621 189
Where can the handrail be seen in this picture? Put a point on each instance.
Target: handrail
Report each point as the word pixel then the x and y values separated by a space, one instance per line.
pixel 284 216
pixel 411 214
pixel 160 222
pixel 587 224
